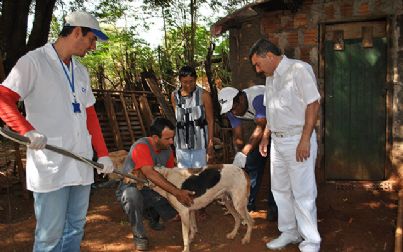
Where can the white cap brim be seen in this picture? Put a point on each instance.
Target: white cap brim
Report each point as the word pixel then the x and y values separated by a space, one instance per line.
pixel 226 107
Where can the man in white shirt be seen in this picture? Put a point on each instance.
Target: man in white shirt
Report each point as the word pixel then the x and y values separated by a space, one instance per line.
pixel 292 105
pixel 59 106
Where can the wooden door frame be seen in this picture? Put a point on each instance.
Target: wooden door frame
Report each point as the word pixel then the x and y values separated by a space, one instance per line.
pixel 388 168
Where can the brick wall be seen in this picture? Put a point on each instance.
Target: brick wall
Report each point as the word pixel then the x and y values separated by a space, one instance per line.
pixel 298 35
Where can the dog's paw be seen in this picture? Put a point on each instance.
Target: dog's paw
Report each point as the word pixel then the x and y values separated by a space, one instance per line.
pixel 245 240
pixel 231 235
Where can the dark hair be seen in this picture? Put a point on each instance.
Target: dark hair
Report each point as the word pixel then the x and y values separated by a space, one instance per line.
pixel 66 30
pixel 159 124
pixel 263 46
pixel 238 96
pixel 187 71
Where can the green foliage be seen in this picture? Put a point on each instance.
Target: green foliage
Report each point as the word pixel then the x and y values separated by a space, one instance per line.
pixel 118 63
pixel 222 70
pixel 122 58
pixel 55 29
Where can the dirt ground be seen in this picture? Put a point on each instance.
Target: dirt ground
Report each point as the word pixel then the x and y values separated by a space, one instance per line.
pixel 351 218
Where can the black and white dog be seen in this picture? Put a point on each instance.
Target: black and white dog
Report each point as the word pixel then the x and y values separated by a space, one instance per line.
pixel 227 182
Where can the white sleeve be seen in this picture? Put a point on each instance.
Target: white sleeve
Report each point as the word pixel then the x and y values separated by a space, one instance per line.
pixel 306 83
pixel 22 77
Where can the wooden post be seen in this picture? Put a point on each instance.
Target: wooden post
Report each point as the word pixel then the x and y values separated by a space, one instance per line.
pixel 213 88
pixel 146 112
pixel 165 106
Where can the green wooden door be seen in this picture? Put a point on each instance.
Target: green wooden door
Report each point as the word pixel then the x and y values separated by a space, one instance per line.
pixel 355 110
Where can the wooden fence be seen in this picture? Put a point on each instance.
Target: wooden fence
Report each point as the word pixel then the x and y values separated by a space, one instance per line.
pixel 125 116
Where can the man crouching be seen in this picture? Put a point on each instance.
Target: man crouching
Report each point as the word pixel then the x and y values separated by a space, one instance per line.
pixel 137 202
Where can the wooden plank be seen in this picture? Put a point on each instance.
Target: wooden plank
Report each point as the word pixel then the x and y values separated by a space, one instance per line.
pixel 137 108
pixel 112 116
pixel 355 122
pixel 146 112
pixel 122 100
pixel 166 107
pixel 105 123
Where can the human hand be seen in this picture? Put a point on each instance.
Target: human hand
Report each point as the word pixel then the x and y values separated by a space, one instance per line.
pixel 303 150
pixel 239 159
pixel 127 181
pixel 185 197
pixel 37 140
pixel 210 155
pixel 263 147
pixel 107 163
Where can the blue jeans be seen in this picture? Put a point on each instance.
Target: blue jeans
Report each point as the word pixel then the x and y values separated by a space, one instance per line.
pixel 60 218
pixel 255 164
pixel 134 202
pixel 191 158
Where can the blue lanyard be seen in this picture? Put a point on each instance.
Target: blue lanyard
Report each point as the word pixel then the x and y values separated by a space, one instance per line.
pixel 71 81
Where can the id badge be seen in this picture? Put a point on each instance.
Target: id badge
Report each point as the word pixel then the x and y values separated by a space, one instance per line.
pixel 76 107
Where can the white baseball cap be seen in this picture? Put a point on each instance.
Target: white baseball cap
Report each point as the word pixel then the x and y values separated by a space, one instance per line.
pixel 84 19
pixel 226 97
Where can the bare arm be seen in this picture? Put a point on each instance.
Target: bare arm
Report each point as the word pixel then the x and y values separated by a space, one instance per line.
pixel 256 136
pixel 173 101
pixel 183 196
pixel 264 142
pixel 238 139
pixel 304 146
pixel 208 105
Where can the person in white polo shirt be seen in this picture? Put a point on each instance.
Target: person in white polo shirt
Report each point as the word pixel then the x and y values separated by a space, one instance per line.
pixel 292 105
pixel 59 105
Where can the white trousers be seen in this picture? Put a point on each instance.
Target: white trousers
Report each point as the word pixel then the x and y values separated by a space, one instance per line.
pixel 294 189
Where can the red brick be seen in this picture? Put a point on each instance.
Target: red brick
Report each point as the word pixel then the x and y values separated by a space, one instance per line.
pixel 292 39
pixel 272 38
pixel 329 11
pixel 270 24
pixel 311 37
pixel 363 10
pixel 346 10
pixel 300 20
pixel 286 22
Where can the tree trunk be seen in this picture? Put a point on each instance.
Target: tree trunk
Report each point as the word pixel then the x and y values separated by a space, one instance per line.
pixel 165 28
pixel 41 26
pixel 14 30
pixel 15 26
pixel 213 88
pixel 101 76
pixel 192 31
